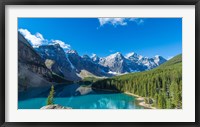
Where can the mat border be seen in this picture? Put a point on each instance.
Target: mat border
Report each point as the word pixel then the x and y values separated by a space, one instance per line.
pixel 3 3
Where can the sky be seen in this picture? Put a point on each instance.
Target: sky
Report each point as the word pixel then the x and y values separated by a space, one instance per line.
pixel 104 36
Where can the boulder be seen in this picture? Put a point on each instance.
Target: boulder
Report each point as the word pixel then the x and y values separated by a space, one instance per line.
pixel 55 106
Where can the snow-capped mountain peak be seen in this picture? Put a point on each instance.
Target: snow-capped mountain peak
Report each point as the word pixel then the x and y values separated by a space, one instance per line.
pixel 133 56
pixel 86 57
pixel 115 55
pixel 157 56
pixel 94 55
pixel 140 57
pixel 56 45
pixel 130 54
pixel 116 62
pixel 72 52
pixel 95 58
pixel 159 59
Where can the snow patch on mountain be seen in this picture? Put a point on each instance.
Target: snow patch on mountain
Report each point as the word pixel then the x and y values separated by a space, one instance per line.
pixel 71 65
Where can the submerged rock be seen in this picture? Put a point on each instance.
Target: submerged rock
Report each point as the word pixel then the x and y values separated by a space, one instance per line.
pixel 55 106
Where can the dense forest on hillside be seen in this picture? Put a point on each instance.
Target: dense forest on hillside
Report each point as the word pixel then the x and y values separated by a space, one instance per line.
pixel 161 87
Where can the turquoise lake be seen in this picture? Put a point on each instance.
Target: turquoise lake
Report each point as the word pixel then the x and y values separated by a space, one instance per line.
pixel 66 96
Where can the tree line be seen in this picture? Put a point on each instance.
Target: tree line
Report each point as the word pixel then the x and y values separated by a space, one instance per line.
pixel 161 87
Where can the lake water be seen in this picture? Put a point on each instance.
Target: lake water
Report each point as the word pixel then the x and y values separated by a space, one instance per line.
pixel 90 101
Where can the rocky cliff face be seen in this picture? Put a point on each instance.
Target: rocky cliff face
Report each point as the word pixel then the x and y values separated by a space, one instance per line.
pixel 86 63
pixel 116 63
pixel 57 61
pixel 32 71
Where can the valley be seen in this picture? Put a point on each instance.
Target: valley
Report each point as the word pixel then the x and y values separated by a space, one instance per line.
pixel 89 82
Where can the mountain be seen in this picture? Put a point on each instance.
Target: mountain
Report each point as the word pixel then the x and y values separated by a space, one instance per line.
pixel 174 61
pixel 134 57
pixel 148 63
pixel 95 58
pixel 116 63
pixel 34 76
pixel 86 63
pixel 32 71
pixel 133 62
pixel 69 65
pixel 159 60
pixel 162 85
pixel 57 61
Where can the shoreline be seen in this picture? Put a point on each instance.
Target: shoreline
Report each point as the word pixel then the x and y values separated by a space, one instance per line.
pixel 141 101
pixel 107 90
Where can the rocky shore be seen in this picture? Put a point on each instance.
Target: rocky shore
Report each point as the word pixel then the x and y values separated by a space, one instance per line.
pixel 55 106
pixel 141 101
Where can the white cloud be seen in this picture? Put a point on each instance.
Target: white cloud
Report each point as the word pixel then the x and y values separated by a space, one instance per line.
pixel 61 43
pixel 137 20
pixel 119 21
pixel 39 36
pixel 113 21
pixel 129 54
pixel 37 39
pixel 111 50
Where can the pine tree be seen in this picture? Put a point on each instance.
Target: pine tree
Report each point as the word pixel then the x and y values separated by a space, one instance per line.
pixel 50 99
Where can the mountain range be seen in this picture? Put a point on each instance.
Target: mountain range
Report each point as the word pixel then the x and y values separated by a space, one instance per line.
pixel 70 62
pixel 51 63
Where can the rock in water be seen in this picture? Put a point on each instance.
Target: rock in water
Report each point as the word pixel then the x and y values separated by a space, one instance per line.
pixel 55 106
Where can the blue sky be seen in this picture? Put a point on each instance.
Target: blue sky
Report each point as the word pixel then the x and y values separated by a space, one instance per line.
pixel 104 36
